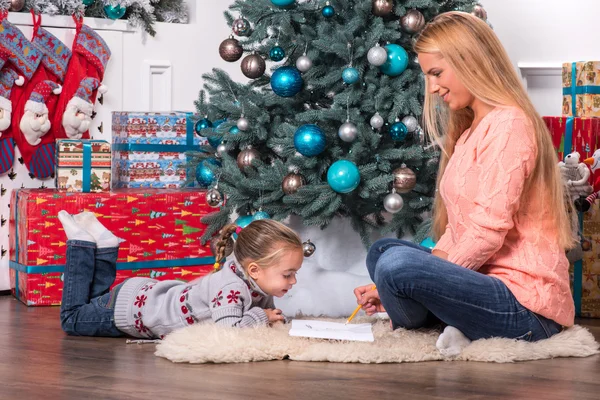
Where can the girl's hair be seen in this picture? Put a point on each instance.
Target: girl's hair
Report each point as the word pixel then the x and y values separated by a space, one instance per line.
pixel 479 60
pixel 261 242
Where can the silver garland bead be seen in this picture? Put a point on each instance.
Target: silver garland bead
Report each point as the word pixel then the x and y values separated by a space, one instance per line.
pixel 243 124
pixel 377 55
pixel 376 121
pixel 393 202
pixel 410 122
pixel 303 63
pixel 348 132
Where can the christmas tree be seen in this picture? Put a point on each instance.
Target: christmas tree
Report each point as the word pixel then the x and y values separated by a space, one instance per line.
pixel 95 183
pixel 333 129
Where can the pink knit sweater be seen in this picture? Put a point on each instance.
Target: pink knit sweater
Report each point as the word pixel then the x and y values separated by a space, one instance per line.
pixel 494 229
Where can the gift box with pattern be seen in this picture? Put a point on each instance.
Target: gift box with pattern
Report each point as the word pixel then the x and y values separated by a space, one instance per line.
pixel 581 89
pixel 161 230
pixel 83 165
pixel 149 149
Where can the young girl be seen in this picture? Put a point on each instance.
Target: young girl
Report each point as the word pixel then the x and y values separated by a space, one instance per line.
pixel 500 217
pixel 267 256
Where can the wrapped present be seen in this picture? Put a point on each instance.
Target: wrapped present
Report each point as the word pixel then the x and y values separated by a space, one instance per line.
pixel 581 89
pixel 571 134
pixel 149 149
pixel 83 165
pixel 160 229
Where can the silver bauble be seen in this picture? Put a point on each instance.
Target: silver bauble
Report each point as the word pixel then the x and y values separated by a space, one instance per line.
pixel 405 179
pixel 480 12
pixel 303 63
pixel 412 22
pixel 382 8
pixel 214 198
pixel 253 66
pixel 377 55
pixel 393 203
pixel 241 27
pixel 246 157
pixel 308 248
pixel 348 132
pixel 410 122
pixel 292 182
pixel 376 121
pixel 221 150
pixel 16 5
pixel 230 50
pixel 243 124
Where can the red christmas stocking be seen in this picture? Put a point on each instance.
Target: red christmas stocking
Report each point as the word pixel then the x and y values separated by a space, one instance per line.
pixel 8 77
pixel 89 59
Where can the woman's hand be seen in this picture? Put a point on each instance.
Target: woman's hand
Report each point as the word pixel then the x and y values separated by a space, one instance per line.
pixel 275 315
pixel 369 299
pixel 440 254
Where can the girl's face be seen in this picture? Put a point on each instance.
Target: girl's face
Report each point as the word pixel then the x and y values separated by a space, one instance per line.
pixel 278 279
pixel 442 81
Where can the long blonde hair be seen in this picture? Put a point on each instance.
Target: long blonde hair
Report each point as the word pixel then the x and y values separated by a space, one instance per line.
pixel 481 63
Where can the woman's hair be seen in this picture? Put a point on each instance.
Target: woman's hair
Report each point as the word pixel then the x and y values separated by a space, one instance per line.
pixel 479 60
pixel 262 242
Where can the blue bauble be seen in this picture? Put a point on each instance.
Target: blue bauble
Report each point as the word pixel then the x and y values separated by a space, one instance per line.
pixel 114 11
pixel 234 130
pixel 286 81
pixel 214 141
pixel 428 242
pixel 397 61
pixel 204 175
pixel 309 140
pixel 398 131
pixel 350 75
pixel 282 3
pixel 202 124
pixel 343 176
pixel 328 11
pixel 260 215
pixel 244 221
pixel 277 53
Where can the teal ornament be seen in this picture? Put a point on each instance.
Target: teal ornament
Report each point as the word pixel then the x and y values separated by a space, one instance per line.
pixel 244 221
pixel 310 140
pixel 328 11
pixel 234 130
pixel 350 75
pixel 204 175
pixel 286 81
pixel 114 11
pixel 428 242
pixel 397 60
pixel 277 53
pixel 343 176
pixel 215 141
pixel 88 2
pixel 204 123
pixel 283 3
pixel 398 131
pixel 260 215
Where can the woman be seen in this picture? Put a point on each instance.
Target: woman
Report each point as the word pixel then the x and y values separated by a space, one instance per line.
pixel 500 218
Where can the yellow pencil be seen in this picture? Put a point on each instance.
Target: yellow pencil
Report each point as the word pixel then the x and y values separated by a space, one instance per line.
pixel 357 310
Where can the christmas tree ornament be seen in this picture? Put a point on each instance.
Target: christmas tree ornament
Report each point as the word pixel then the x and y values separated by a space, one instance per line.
pixel 244 221
pixel 260 214
pixel 242 124
pixel 398 131
pixel 214 197
pixel 283 3
pixel 241 27
pixel 328 11
pixel 377 55
pixel 253 66
pixel 428 243
pixel 382 8
pixel 397 61
pixel 246 157
pixel 286 81
pixel 412 22
pixel 309 140
pixel 405 179
pixel 234 130
pixel 303 63
pixel 204 123
pixel 277 53
pixel 419 135
pixel 480 12
pixel 410 122
pixel 348 132
pixel 343 176
pixel 204 175
pixel 16 5
pixel 215 141
pixel 376 121
pixel 393 202
pixel 292 182
pixel 350 75
pixel 88 2
pixel 230 50
pixel 114 11
pixel 221 150
pixel 308 248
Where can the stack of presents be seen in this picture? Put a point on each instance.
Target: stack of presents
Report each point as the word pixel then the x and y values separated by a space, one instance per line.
pixel 136 185
pixel 576 136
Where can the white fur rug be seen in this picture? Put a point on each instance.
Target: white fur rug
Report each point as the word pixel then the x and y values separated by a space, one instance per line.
pixel 213 344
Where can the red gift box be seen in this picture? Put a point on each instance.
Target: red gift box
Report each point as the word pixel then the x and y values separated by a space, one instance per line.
pixel 161 230
pixel 577 134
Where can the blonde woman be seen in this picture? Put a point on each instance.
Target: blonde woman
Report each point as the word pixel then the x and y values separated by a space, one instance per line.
pixel 500 219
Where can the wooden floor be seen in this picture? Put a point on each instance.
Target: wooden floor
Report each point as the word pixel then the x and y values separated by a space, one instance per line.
pixel 37 361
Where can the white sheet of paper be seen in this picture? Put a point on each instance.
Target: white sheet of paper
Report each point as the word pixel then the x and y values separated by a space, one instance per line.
pixel 332 330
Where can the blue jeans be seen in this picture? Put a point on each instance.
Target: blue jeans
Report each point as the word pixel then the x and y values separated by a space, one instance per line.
pixel 87 307
pixel 415 285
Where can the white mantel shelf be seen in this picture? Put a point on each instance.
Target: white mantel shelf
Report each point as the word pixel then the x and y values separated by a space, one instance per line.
pixel 65 21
